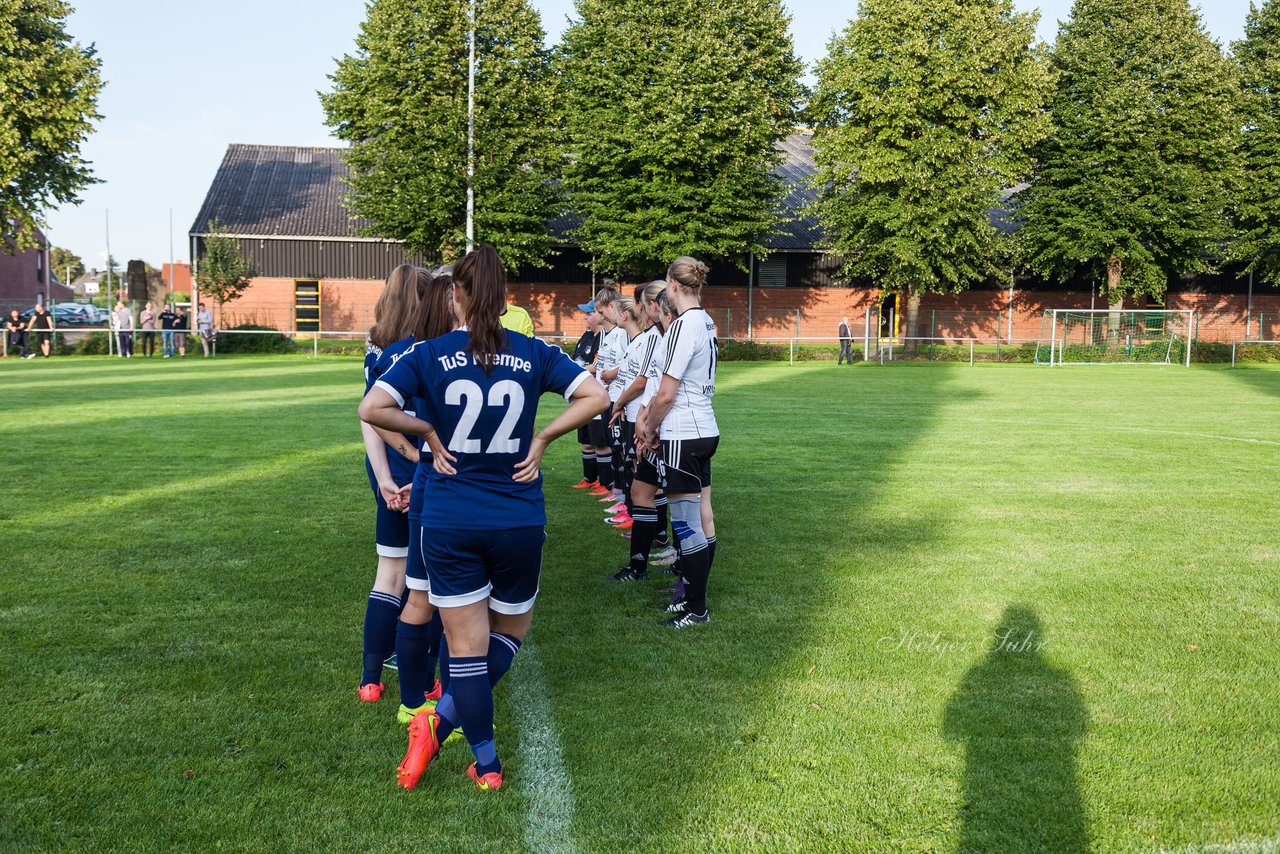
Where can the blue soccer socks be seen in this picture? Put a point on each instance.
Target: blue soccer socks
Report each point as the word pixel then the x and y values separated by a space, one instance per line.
pixel 380 616
pixel 417 665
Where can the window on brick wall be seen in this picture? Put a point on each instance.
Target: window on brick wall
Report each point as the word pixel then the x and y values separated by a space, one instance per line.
pixel 306 305
pixel 772 273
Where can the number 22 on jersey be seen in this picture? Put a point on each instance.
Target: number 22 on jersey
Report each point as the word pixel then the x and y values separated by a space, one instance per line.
pixel 469 394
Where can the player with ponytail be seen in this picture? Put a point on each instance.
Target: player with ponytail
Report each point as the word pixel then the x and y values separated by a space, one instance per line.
pixel 682 425
pixel 483 514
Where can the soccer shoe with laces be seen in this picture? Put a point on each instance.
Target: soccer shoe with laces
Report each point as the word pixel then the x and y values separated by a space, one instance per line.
pixel 609 497
pixel 665 557
pixel 392 663
pixel 599 490
pixel 677 606
pixel 585 484
pixel 423 747
pixel 615 509
pixel 371 693
pixel 621 523
pixel 626 574
pixel 688 618
pixel 487 783
pixel 406 714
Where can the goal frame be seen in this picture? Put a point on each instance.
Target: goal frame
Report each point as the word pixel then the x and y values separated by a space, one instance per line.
pixel 1057 346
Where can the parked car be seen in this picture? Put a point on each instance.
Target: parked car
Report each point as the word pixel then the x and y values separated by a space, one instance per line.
pixel 74 314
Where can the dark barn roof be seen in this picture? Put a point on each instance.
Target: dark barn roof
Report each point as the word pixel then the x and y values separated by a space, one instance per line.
pixel 292 192
pixel 280 191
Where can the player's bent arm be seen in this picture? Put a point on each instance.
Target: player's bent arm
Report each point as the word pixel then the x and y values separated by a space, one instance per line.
pixel 584 403
pixel 376 450
pixel 381 410
pixel 659 407
pixel 631 392
pixel 609 375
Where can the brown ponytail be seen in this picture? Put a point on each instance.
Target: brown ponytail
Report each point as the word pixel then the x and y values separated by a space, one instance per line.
pixel 396 311
pixel 435 314
pixel 480 276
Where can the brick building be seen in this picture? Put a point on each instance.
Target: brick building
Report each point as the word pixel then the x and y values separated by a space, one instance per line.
pixel 317 271
pixel 25 275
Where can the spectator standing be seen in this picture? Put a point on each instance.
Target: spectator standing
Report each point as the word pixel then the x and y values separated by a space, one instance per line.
pixel 16 331
pixel 147 322
pixel 124 329
pixel 517 319
pixel 167 317
pixel 181 323
pixel 846 342
pixel 204 328
pixel 41 324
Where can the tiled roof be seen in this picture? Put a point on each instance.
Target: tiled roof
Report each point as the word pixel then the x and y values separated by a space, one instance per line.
pixel 280 191
pixel 287 191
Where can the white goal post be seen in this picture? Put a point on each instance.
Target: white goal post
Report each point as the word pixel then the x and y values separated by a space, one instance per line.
pixel 1102 336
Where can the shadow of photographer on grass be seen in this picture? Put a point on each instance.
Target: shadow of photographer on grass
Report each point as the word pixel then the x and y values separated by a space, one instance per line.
pixel 1020 719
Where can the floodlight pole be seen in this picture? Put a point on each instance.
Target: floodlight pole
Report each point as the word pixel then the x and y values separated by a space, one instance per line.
pixel 471 126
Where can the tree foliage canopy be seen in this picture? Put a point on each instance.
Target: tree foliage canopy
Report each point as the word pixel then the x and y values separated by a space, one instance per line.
pixel 672 109
pixel 66 263
pixel 49 89
pixel 1133 183
pixel 1258 200
pixel 401 102
pixel 925 112
pixel 223 273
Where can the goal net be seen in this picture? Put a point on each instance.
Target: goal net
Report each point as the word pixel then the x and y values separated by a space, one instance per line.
pixel 1110 337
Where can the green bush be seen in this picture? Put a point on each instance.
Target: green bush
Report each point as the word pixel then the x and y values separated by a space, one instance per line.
pixel 93 344
pixel 233 343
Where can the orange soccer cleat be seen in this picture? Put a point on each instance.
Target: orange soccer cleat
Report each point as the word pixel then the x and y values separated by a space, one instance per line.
pixel 487 783
pixel 434 695
pixel 423 747
pixel 585 484
pixel 371 693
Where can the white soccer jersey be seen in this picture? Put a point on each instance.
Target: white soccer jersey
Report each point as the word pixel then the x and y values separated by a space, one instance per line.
pixel 634 364
pixel 610 357
pixel 691 359
pixel 653 373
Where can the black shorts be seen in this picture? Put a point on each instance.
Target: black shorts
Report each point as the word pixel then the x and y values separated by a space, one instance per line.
pixel 44 336
pixel 686 464
pixel 622 436
pixel 598 429
pixel 649 470
pixel 584 435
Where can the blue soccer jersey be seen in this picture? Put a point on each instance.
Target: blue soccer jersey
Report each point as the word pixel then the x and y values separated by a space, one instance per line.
pixel 376 363
pixel 486 422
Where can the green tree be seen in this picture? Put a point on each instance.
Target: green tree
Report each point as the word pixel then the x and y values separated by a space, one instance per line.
pixel 672 109
pixel 1258 200
pixel 925 114
pixel 1132 186
pixel 401 101
pixel 224 272
pixel 49 89
pixel 66 263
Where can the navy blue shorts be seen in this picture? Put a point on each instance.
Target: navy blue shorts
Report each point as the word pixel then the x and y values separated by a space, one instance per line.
pixel 392 530
pixel 465 567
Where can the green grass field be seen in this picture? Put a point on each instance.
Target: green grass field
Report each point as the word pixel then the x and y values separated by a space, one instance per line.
pixel 188 548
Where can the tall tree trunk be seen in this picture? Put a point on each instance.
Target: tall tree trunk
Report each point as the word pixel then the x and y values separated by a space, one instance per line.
pixel 912 293
pixel 1115 297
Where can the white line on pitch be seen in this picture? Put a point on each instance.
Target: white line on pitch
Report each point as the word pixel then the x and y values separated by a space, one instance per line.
pixel 548 826
pixel 1132 429
pixel 1244 846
